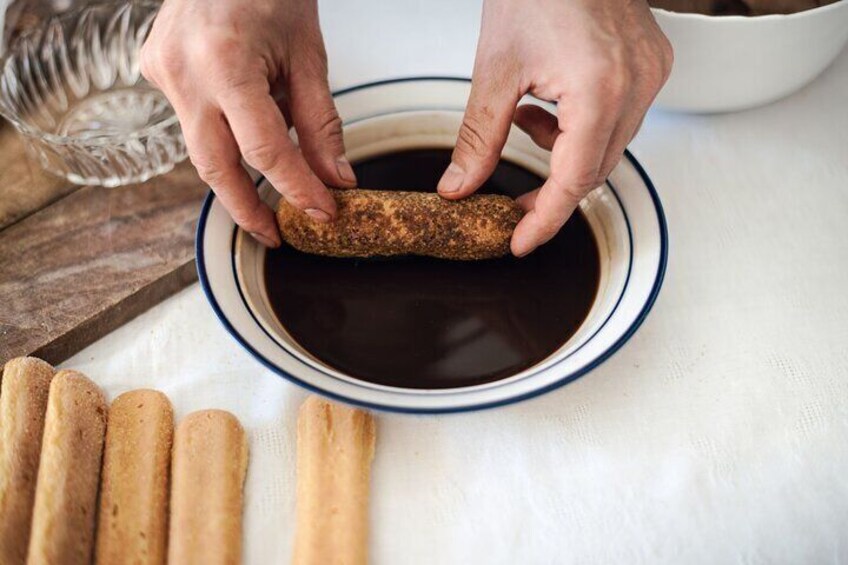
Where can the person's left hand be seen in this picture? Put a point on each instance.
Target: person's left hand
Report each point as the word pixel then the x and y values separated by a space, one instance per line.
pixel 602 61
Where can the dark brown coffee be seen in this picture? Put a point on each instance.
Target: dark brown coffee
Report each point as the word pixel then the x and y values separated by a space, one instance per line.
pixel 417 322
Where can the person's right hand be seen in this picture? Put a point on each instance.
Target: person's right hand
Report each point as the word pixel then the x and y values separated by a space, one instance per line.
pixel 238 74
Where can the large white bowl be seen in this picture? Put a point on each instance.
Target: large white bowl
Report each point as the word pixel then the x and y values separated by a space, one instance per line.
pixel 725 63
pixel 625 216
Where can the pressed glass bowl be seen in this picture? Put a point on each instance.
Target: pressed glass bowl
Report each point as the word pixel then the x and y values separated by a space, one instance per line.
pixel 73 89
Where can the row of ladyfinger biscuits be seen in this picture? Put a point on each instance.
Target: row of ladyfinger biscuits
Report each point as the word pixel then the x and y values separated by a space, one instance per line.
pixel 52 519
pixel 55 436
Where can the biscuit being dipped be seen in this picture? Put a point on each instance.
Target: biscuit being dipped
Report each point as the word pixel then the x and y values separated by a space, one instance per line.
pixel 380 223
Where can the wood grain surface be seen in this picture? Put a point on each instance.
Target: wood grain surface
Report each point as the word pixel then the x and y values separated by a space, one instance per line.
pixel 24 187
pixel 82 266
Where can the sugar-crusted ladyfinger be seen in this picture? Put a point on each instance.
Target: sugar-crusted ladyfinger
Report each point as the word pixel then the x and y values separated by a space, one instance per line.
pixel 133 519
pixel 23 403
pixel 207 474
pixel 335 446
pixel 386 222
pixel 69 472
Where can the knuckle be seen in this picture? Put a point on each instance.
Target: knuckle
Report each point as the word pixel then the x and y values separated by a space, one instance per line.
pixel 583 183
pixel 235 87
pixel 246 215
pixel 212 48
pixel 298 198
pixel 170 66
pixel 611 79
pixel 262 156
pixel 327 123
pixel 212 171
pixel 651 78
pixel 220 56
pixel 655 66
pixel 610 163
pixel 650 82
pixel 599 179
pixel 667 57
pixel 158 61
pixel 605 65
pixel 167 65
pixel 471 136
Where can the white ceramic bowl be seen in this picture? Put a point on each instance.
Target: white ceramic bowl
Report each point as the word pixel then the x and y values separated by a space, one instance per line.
pixel 725 63
pixel 625 215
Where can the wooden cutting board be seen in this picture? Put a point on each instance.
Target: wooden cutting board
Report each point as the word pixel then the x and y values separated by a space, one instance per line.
pixel 76 263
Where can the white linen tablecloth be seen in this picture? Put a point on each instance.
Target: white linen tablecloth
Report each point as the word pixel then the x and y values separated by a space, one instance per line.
pixel 718 434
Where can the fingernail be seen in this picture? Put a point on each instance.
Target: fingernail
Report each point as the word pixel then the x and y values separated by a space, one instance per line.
pixel 318 215
pixel 345 170
pixel 264 240
pixel 452 179
pixel 523 253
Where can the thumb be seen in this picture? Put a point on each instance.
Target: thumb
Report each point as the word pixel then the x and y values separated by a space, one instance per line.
pixel 482 135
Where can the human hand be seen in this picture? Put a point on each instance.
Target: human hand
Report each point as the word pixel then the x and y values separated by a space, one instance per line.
pixel 238 74
pixel 602 61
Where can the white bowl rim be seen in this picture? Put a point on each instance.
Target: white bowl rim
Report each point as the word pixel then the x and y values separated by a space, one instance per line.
pixel 736 19
pixel 565 379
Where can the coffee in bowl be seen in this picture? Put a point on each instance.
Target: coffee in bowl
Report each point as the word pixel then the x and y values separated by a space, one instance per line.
pixel 399 126
pixel 427 323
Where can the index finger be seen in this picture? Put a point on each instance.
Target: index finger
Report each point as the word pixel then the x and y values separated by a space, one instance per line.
pixel 261 133
pixel 215 155
pixel 484 130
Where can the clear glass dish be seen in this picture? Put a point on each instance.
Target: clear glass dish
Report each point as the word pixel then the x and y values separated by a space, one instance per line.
pixel 73 89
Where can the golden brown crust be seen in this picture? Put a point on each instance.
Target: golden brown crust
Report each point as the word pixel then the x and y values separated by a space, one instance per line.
pixel 373 223
pixel 335 447
pixel 208 471
pixel 69 472
pixel 133 519
pixel 23 403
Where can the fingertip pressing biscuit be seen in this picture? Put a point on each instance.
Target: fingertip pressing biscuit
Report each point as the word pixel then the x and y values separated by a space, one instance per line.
pixel 372 223
pixel 335 447
pixel 23 404
pixel 208 470
pixel 133 518
pixel 69 472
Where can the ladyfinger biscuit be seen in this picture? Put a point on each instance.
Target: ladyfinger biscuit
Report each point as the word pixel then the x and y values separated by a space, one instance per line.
pixel 335 446
pixel 23 403
pixel 373 223
pixel 208 470
pixel 133 518
pixel 69 472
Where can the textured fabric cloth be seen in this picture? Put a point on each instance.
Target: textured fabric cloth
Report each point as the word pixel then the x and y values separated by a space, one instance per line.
pixel 716 435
